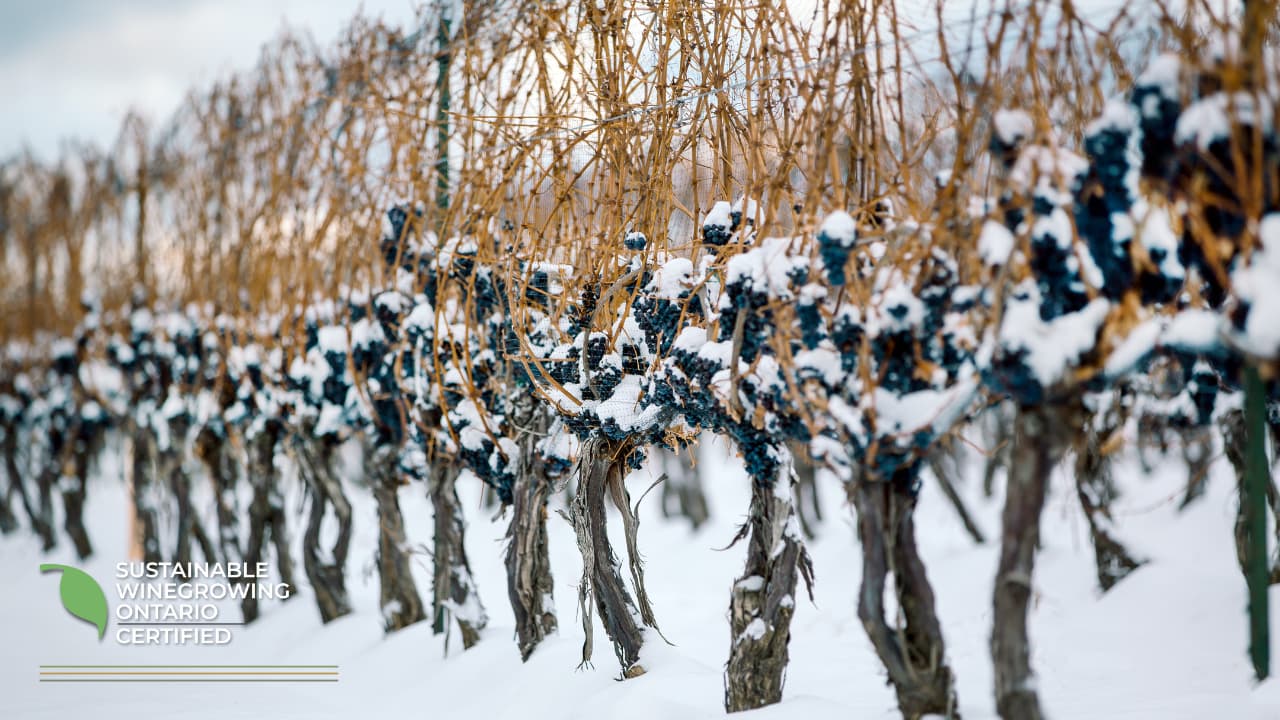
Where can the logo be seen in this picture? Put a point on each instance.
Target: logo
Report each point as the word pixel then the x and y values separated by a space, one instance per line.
pixel 82 596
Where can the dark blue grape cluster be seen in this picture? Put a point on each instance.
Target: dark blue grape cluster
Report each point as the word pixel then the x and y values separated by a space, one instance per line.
pixel 836 239
pixel 720 226
pixel 894 348
pixel 813 329
pixel 1056 268
pixel 1156 99
pixel 635 241
pixel 1103 192
pixel 659 318
pixel 399 246
pixel 758 325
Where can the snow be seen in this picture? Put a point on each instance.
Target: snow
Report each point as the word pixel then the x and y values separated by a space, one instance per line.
pixel 1116 115
pixel 1210 119
pixel 765 268
pixel 621 405
pixel 748 208
pixel 1050 171
pixel 673 278
pixel 1012 126
pixel 690 339
pixel 1258 285
pixel 366 332
pixel 841 227
pixel 421 319
pixel 822 362
pixel 1168 642
pixel 719 216
pixel 1052 347
pixel 754 630
pixel 63 347
pixel 141 321
pixel 1135 347
pixel 1154 228
pixel 393 302
pixel 1164 73
pixel 1193 330
pixel 995 243
pixel 332 338
pixel 900 309
pixel 330 421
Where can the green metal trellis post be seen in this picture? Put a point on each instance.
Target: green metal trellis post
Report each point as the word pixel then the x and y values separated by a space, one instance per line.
pixel 1255 499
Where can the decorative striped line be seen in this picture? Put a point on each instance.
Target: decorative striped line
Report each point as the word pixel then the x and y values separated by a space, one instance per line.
pixel 188 673
pixel 126 667
pixel 188 680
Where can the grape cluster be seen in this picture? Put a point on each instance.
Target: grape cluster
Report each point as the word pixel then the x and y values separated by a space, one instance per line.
pixel 635 241
pixel 720 225
pixel 1103 193
pixel 836 239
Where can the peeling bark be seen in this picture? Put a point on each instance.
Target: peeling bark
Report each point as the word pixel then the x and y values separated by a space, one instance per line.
pixel 1036 449
pixel 764 598
pixel 190 527
pixel 1153 441
pixel 528 561
pixel 1096 491
pixel 398 594
pixel 1000 437
pixel 8 521
pixel 215 449
pixel 18 485
pixel 143 463
pixel 808 507
pixel 602 465
pixel 327 574
pixel 45 482
pixel 75 485
pixel 453 589
pixel 914 655
pixel 266 513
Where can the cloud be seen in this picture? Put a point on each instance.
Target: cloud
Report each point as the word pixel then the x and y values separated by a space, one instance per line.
pixel 77 71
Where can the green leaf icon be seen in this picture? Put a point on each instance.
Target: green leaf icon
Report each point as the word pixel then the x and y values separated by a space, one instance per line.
pixel 81 596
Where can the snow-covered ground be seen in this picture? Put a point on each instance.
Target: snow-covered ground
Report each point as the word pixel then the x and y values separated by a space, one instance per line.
pixel 1168 642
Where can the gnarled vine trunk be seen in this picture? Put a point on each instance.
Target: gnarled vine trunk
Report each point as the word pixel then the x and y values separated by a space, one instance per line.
pixel 453 589
pixel 398 594
pixel 1197 452
pixel 8 521
pixel 74 485
pixel 266 513
pixel 764 597
pixel 143 465
pixel 601 469
pixel 190 527
pixel 914 655
pixel 325 570
pixel 1037 447
pixel 528 560
pixel 214 448
pixel 808 505
pixel 18 484
pixel 999 422
pixel 1096 491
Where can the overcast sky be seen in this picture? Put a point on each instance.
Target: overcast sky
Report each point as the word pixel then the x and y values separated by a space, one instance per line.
pixel 72 68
